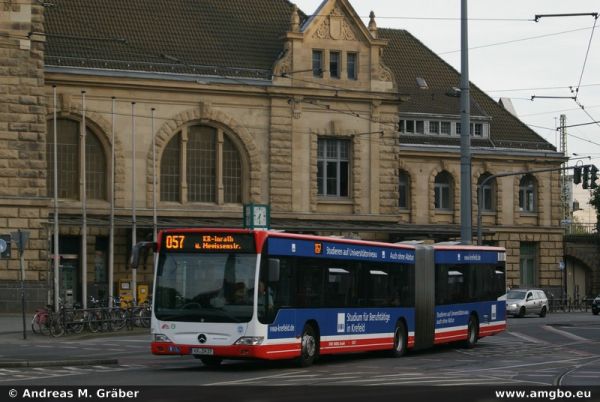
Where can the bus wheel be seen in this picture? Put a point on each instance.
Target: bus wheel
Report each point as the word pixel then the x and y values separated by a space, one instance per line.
pixel 400 340
pixel 472 332
pixel 210 361
pixel 308 352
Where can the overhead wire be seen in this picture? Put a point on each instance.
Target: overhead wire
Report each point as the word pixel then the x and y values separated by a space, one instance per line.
pixel 518 40
pixel 586 56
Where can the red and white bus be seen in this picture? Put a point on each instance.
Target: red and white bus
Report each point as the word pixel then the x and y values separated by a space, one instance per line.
pixel 235 294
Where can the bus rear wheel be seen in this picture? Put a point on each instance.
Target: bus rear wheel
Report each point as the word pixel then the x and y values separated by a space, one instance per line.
pixel 308 346
pixel 472 332
pixel 400 340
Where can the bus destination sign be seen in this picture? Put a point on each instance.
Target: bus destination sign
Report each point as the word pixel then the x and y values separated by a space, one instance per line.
pixel 209 242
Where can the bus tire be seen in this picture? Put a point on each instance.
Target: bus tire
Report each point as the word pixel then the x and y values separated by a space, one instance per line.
pixel 400 340
pixel 472 332
pixel 309 346
pixel 210 361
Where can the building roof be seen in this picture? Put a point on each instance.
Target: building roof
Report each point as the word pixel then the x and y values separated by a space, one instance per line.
pixel 206 37
pixel 244 38
pixel 409 58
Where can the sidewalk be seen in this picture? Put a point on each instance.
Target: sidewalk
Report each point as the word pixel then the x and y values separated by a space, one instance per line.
pixel 12 344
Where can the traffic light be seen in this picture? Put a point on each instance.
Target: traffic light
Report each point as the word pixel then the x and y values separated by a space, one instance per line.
pixel 593 176
pixel 586 177
pixel 577 175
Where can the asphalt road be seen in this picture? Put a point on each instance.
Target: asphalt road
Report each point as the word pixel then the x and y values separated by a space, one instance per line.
pixel 560 349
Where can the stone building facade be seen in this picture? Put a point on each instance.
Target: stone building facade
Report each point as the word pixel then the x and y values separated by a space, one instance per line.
pixel 342 128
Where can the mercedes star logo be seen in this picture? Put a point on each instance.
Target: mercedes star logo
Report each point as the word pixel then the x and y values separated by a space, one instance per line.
pixel 202 338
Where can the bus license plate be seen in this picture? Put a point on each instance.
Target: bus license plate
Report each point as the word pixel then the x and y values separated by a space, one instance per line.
pixel 202 351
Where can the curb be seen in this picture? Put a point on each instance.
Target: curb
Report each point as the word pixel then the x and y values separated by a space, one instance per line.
pixel 50 363
pixel 83 335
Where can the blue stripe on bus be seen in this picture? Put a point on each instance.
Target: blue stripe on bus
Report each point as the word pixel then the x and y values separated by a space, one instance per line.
pixel 289 323
pixel 465 257
pixel 342 251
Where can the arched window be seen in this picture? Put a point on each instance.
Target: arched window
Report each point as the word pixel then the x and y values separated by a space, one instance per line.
pixel 69 161
pixel 488 192
pixel 212 164
pixel 444 191
pixel 527 194
pixel 404 190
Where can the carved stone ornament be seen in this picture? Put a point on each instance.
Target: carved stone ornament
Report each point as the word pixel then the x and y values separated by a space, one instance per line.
pixel 384 73
pixel 284 63
pixel 335 26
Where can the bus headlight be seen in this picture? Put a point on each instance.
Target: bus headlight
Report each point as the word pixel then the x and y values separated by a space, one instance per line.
pixel 250 340
pixel 161 338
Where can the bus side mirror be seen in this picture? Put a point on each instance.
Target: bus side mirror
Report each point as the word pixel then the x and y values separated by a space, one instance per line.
pixel 141 249
pixel 274 270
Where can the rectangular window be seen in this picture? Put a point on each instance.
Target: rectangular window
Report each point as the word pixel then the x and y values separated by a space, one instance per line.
pixel 527 264
pixel 351 65
pixel 401 126
pixel 486 191
pixel 403 190
pixel 478 132
pixel 442 196
pixel 445 127
pixel 420 127
pixel 410 126
pixel 334 64
pixel 434 127
pixel 333 167
pixel 458 129
pixel 201 164
pixel 317 63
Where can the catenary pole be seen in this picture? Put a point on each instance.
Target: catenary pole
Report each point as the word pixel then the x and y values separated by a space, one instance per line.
pixel 111 235
pixel 465 133
pixel 83 206
pixel 56 255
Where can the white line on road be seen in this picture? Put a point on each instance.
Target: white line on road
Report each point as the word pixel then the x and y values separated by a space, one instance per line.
pixel 566 334
pixel 526 337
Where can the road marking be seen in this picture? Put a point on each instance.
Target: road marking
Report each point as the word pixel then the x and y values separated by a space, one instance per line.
pixel 566 334
pixel 530 364
pixel 526 337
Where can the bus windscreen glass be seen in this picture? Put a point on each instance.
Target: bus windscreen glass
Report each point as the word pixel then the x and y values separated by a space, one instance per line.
pixel 205 287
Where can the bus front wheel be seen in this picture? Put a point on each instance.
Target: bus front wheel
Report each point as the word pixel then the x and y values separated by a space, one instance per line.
pixel 472 332
pixel 308 346
pixel 400 340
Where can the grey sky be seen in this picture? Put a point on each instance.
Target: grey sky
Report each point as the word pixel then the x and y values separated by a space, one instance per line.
pixel 526 67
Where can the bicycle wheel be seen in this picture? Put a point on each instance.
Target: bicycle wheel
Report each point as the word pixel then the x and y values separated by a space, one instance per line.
pixel 144 317
pixel 118 318
pixel 76 321
pixel 94 321
pixel 41 323
pixel 35 324
pixel 56 326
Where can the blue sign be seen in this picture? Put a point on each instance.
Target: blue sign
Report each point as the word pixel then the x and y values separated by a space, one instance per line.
pixel 467 257
pixel 342 251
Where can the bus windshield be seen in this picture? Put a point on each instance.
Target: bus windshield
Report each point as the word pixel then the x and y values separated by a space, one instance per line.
pixel 194 287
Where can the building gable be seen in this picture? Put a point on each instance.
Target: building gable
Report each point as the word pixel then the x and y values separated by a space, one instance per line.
pixel 348 50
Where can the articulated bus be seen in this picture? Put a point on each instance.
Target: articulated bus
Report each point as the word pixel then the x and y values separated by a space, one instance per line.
pixel 236 294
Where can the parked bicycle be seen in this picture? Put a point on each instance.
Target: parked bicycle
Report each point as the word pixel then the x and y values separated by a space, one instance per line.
pixel 40 324
pixel 68 320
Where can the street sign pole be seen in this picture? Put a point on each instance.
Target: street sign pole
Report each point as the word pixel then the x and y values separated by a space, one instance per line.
pixel 21 238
